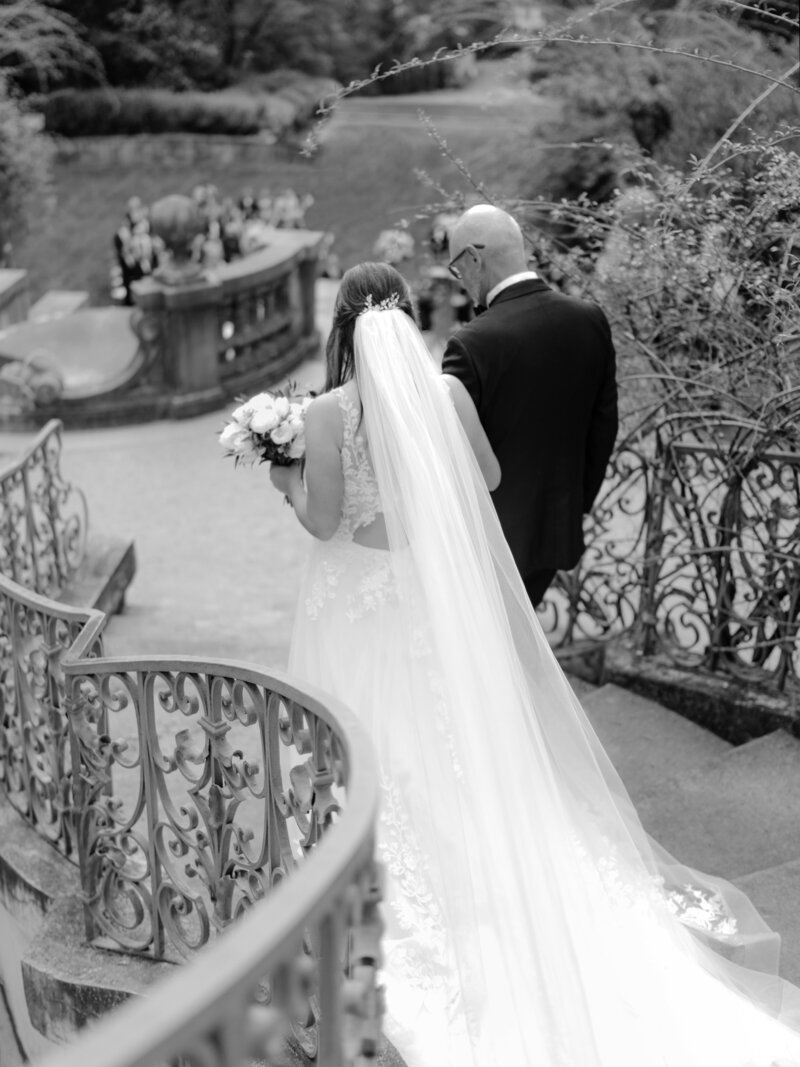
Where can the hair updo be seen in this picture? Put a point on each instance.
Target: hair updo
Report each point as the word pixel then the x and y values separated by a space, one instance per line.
pixel 376 280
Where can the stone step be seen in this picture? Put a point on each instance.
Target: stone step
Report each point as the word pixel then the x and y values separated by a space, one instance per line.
pixel 56 303
pixel 774 893
pixel 736 814
pixel 719 808
pixel 69 983
pixel 647 743
pixel 12 1054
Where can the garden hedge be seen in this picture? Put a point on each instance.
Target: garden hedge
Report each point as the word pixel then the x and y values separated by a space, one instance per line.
pixel 232 112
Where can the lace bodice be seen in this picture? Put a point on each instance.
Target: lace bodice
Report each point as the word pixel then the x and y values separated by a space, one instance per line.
pixel 361 503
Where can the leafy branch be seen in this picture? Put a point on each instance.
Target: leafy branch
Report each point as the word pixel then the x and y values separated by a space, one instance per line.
pixel 37 37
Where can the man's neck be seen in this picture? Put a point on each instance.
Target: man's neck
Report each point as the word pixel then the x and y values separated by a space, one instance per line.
pixel 510 279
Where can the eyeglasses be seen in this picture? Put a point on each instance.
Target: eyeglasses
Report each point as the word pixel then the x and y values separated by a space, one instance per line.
pixel 451 266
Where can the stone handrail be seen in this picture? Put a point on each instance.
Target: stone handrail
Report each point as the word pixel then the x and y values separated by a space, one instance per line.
pixel 254 820
pixel 43 519
pixel 236 328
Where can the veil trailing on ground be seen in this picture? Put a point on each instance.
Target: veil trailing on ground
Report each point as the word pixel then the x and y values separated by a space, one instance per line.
pixel 574 938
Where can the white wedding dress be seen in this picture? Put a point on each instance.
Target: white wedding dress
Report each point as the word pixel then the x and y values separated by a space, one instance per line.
pixel 530 920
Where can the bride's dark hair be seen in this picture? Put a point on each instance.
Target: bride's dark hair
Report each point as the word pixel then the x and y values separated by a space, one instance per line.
pixel 376 280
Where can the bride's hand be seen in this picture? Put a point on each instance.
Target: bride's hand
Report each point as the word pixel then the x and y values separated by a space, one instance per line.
pixel 284 478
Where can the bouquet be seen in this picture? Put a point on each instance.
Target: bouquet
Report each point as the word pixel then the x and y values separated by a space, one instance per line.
pixel 267 428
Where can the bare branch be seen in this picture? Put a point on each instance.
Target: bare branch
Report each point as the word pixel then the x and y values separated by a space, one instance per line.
pixel 702 167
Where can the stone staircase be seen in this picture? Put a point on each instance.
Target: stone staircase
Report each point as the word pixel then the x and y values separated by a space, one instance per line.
pixel 729 811
pixel 726 810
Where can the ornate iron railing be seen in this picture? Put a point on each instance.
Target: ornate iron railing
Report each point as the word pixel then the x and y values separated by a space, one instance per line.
pixel 694 553
pixel 310 949
pixel 43 519
pixel 35 759
pixel 194 794
pixel 251 800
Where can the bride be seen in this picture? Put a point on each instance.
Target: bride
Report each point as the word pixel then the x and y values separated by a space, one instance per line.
pixel 530 919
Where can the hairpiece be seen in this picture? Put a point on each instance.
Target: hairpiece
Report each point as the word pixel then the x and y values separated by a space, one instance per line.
pixel 389 304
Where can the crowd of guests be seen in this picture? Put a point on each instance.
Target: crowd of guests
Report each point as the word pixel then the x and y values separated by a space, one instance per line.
pixel 233 228
pixel 137 251
pixel 238 227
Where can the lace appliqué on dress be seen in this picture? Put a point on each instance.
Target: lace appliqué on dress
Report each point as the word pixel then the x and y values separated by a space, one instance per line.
pixel 376 586
pixel 364 576
pixel 701 910
pixel 697 908
pixel 324 587
pixel 424 953
pixel 362 503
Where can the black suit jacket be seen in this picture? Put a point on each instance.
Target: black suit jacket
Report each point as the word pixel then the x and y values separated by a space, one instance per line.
pixel 541 369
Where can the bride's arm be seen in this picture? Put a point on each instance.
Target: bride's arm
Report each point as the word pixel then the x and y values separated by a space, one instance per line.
pixel 465 409
pixel 318 503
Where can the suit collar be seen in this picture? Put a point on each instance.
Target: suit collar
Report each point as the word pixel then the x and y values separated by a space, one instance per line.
pixel 512 279
pixel 523 288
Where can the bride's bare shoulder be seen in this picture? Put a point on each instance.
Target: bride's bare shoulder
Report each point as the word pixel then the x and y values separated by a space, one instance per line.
pixel 324 416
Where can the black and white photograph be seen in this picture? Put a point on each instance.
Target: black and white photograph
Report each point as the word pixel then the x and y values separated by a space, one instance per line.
pixel 399 533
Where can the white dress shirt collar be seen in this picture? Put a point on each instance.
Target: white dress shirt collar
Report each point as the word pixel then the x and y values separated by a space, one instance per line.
pixel 512 279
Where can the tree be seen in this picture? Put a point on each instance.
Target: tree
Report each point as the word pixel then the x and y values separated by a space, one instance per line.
pixel 39 44
pixel 25 171
pixel 652 91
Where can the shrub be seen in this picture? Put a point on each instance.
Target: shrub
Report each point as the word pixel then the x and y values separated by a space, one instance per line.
pixel 700 277
pixel 94 113
pixel 25 158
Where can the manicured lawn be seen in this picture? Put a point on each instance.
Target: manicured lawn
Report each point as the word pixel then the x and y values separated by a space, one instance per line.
pixel 362 179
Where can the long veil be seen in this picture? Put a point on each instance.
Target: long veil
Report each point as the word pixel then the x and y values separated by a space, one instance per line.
pixel 565 923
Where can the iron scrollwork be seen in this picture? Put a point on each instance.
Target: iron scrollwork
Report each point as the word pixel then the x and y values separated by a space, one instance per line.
pixel 35 758
pixel 43 519
pixel 199 793
pixel 693 552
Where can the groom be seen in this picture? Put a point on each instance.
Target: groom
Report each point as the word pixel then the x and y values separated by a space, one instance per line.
pixel 541 369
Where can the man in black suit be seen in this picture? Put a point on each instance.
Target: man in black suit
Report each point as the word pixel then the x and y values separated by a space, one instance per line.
pixel 541 369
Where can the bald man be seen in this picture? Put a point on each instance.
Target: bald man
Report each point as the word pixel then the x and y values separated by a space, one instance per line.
pixel 541 369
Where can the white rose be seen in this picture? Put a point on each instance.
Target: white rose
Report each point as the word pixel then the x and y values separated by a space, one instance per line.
pixel 281 407
pixel 264 420
pixel 282 434
pixel 261 401
pixel 241 441
pixel 242 415
pixel 231 431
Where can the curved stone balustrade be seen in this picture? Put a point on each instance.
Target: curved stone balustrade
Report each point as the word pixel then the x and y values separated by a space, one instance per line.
pixel 194 340
pixel 194 794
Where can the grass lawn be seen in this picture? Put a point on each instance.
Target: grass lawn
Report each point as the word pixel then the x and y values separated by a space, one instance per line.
pixel 362 180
